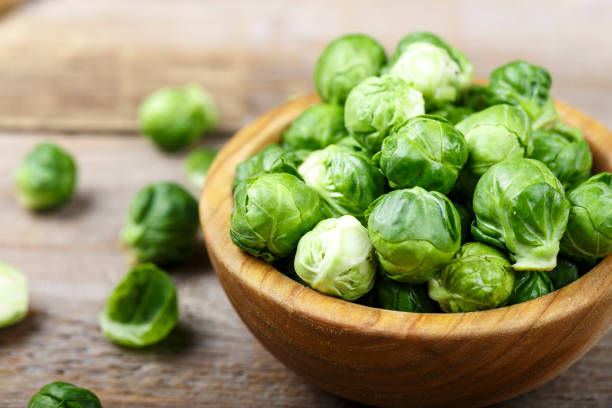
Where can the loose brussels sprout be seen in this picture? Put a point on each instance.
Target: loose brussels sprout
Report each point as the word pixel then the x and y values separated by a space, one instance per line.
pixel 317 127
pixel 61 394
pixel 271 213
pixel 197 165
pixel 528 86
pixel 13 295
pixel 431 66
pixel 426 151
pixel 337 258
pixel 476 98
pixel 478 278
pixel 589 229
pixel 415 233
pixel 272 159
pixel 565 152
pixel 141 310
pixel 351 143
pixel 378 104
pixel 175 117
pixel 466 215
pixel 452 113
pixel 520 205
pixel 344 63
pixel 529 285
pixel 46 178
pixel 162 224
pixel 347 180
pixel 498 133
pixel 391 295
pixel 565 273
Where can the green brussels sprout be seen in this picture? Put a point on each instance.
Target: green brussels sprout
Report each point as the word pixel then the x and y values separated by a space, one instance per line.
pixel 337 258
pixel 466 215
pixel 351 143
pixel 426 151
pixel 564 273
pixel 61 394
pixel 377 105
pixel 476 98
pixel 46 178
pixel 197 165
pixel 565 152
pixel 271 213
pixel 478 278
pixel 520 205
pixel 589 229
pixel 13 295
pixel 348 181
pixel 431 66
pixel 162 224
pixel 501 132
pixel 391 295
pixel 414 232
pixel 452 113
pixel 272 159
pixel 528 86
pixel 175 117
pixel 317 127
pixel 344 63
pixel 529 285
pixel 142 309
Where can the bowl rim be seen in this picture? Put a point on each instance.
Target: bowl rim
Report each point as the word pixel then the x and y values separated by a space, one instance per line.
pixel 276 287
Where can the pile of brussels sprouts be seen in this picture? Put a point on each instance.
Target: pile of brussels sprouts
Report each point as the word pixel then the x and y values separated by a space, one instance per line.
pixel 409 188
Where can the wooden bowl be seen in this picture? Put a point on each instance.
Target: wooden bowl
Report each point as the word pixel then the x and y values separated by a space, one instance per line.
pixel 389 358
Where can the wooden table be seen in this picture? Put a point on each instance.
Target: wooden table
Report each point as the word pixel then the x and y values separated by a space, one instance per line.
pixel 74 72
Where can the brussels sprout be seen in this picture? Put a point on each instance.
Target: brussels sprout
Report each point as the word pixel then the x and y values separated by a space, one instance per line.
pixel 317 127
pixel 61 394
pixel 272 159
pixel 271 213
pixel 46 178
pixel 414 232
pixel 452 113
pixel 501 132
pixel 565 152
pixel 344 63
pixel 175 117
pixel 337 258
pixel 528 86
pixel 197 165
pixel 478 278
pixel 351 143
pixel 466 215
pixel 476 98
pixel 378 104
pixel 529 285
pixel 141 310
pixel 13 295
pixel 589 229
pixel 520 205
pixel 347 180
pixel 431 66
pixel 426 151
pixel 162 224
pixel 391 295
pixel 565 273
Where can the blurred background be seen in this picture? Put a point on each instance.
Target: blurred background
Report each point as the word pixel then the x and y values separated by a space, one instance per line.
pixel 75 71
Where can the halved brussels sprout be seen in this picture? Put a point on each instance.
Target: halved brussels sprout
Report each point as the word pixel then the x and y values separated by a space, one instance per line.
pixel 378 104
pixel 520 205
pixel 337 258
pixel 197 165
pixel 272 159
pixel 431 66
pixel 344 63
pixel 13 295
pixel 565 273
pixel 317 127
pixel 61 394
pixel 426 151
pixel 565 152
pixel 46 178
pixel 347 180
pixel 142 309
pixel 589 230
pixel 478 278
pixel 528 86
pixel 530 285
pixel 391 295
pixel 415 233
pixel 271 213
pixel 452 113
